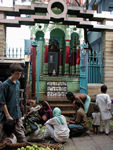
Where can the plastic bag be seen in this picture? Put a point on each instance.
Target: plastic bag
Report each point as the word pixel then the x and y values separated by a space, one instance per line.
pixel 30 126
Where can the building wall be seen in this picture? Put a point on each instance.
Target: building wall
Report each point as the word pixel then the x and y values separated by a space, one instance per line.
pixel 106 39
pixel 108 60
pixel 73 84
pixel 2 39
pixel 107 47
pixel 73 81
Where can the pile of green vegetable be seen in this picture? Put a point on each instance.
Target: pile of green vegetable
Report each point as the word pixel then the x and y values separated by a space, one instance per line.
pixel 35 147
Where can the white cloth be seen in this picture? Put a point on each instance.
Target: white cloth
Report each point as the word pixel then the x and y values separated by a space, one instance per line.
pixel 96 118
pixel 106 126
pixel 61 132
pixel 104 103
pixel 11 139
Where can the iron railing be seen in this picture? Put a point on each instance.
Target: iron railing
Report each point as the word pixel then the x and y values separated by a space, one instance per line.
pixel 14 53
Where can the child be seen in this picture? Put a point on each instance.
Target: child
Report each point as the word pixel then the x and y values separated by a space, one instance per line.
pixel 9 127
pixel 96 119
pixel 57 126
pixel 104 103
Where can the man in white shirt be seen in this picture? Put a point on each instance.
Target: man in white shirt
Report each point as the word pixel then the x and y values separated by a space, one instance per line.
pixel 104 103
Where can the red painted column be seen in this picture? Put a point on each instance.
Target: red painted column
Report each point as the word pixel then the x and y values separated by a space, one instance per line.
pixel 73 62
pixel 33 61
pixel 78 61
pixel 46 54
pixel 67 57
pixel 45 68
pixel 78 57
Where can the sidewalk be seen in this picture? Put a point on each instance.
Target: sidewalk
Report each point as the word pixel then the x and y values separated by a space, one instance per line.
pixel 90 142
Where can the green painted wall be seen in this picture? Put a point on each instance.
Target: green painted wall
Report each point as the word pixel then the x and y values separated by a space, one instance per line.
pixel 73 82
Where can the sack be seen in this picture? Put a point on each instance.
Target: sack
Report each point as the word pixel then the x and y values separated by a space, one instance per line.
pixel 30 126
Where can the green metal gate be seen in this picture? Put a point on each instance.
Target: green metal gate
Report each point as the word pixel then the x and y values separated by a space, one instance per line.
pixel 95 66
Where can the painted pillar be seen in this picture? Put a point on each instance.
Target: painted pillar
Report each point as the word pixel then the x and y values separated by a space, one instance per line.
pixel 67 57
pixel 78 60
pixel 33 61
pixel 60 61
pixel 73 61
pixel 45 68
pixel 37 70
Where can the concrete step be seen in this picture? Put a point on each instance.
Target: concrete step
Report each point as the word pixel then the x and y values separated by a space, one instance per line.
pixel 63 106
pixel 63 103
pixel 57 100
pixel 68 113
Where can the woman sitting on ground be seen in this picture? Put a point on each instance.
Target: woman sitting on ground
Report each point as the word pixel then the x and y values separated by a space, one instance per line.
pixel 42 114
pixel 83 98
pixel 56 127
pixel 80 124
pixel 45 112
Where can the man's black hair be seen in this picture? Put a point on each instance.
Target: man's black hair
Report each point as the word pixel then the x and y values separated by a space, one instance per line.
pixel 45 105
pixel 103 88
pixel 70 96
pixel 15 67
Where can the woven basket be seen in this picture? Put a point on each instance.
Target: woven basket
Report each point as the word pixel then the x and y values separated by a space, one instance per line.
pixel 9 146
pixel 2 145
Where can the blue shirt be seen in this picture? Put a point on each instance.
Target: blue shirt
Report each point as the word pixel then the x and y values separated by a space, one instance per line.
pixel 10 95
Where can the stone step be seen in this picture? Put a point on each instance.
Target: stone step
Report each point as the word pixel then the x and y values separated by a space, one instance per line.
pixel 68 113
pixel 63 106
pixel 63 103
pixel 57 100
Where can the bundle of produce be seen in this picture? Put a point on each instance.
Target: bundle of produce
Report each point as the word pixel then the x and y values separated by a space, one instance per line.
pixel 42 147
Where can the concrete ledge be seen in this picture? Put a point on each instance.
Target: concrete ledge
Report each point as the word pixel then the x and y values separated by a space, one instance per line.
pixel 93 90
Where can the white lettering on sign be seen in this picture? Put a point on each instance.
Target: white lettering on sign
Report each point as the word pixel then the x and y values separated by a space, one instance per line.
pixel 56 88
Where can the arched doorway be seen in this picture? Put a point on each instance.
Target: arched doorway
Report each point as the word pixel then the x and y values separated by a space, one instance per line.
pixel 56 52
pixel 39 36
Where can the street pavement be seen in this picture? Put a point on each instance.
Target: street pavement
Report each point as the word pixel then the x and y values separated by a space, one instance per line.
pixel 90 141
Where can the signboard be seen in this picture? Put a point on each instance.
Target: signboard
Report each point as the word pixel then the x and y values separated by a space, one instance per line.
pixel 56 88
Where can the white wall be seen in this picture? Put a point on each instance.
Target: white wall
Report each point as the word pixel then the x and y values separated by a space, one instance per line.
pixel 15 37
pixel 8 3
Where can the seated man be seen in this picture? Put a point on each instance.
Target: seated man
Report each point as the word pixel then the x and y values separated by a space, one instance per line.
pixel 80 124
pixel 83 98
